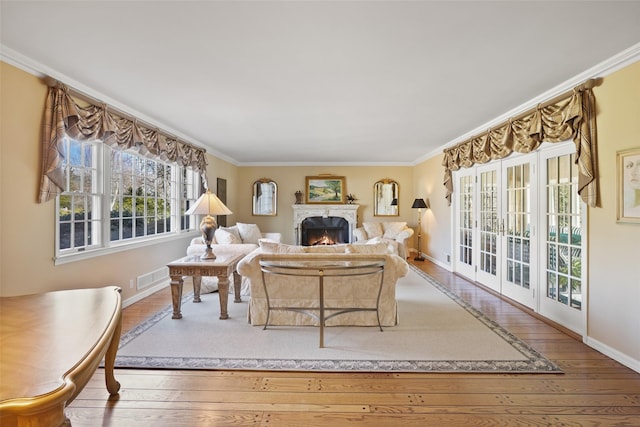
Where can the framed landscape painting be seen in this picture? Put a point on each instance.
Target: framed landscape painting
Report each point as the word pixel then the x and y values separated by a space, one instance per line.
pixel 325 189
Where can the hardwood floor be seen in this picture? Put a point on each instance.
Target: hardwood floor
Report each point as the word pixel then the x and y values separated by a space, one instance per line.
pixel 593 391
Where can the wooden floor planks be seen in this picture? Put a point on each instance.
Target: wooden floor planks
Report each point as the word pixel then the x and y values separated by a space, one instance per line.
pixel 593 391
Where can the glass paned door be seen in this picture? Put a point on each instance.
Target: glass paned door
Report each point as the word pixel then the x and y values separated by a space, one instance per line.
pixel 563 241
pixel 488 251
pixel 517 230
pixel 465 223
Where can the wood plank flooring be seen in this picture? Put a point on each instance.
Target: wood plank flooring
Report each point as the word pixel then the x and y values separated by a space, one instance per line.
pixel 593 391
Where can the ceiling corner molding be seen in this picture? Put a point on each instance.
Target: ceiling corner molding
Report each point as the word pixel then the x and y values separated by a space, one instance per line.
pixel 322 164
pixel 609 66
pixel 20 61
pixel 40 70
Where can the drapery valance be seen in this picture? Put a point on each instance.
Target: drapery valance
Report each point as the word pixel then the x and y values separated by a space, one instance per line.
pixel 571 117
pixel 64 116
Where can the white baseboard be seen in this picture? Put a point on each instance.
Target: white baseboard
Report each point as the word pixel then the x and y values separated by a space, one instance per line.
pixel 438 262
pixel 625 359
pixel 148 291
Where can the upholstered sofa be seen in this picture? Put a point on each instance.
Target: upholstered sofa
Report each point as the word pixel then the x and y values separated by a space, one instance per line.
pixel 347 291
pixel 240 238
pixel 395 233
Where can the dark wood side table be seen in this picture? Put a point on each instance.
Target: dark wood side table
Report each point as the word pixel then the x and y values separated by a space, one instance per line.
pixel 222 267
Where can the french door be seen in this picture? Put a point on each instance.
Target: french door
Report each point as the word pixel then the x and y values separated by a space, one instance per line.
pixel 519 232
pixel 465 220
pixel 517 219
pixel 563 270
pixel 489 251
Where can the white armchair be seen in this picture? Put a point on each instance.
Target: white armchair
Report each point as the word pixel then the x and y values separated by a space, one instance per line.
pixel 396 233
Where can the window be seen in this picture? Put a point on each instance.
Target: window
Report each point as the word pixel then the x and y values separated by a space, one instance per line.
pixel 112 198
pixel 190 193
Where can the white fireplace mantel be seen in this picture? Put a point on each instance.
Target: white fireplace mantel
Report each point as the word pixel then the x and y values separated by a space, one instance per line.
pixel 304 211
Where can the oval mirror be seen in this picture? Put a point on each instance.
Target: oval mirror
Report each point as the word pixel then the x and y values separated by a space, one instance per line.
pixel 265 197
pixel 385 198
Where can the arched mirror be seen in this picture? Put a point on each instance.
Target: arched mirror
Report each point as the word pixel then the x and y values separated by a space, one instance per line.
pixel 265 197
pixel 385 198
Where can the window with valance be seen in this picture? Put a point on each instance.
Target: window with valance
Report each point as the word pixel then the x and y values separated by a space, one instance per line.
pixel 65 117
pixel 571 116
pixel 115 181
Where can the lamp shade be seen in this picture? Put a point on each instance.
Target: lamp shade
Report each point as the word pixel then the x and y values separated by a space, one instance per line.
pixel 208 204
pixel 419 204
pixel 394 202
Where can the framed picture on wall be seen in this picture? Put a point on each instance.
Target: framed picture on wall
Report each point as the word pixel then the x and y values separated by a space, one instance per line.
pixel 221 184
pixel 325 189
pixel 628 173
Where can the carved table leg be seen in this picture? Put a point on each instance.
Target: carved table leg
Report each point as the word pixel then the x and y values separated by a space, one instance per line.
pixel 197 280
pixel 113 386
pixel 223 294
pixel 176 296
pixel 237 284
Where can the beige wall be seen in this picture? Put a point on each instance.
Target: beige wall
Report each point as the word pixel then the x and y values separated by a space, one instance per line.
pixel 27 227
pixel 436 221
pixel 217 168
pixel 359 181
pixel 614 250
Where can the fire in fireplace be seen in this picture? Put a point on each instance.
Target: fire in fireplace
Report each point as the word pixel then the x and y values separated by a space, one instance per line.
pixel 319 230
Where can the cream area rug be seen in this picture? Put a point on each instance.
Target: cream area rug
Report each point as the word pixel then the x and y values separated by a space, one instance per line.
pixel 437 332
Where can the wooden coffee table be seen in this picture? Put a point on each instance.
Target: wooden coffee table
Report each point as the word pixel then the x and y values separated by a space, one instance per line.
pixel 222 267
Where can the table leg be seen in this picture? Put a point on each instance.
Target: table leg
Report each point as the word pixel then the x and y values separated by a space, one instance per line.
pixel 237 284
pixel 113 386
pixel 176 296
pixel 197 280
pixel 223 294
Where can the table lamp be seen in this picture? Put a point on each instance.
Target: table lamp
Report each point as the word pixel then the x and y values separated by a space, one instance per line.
pixel 208 204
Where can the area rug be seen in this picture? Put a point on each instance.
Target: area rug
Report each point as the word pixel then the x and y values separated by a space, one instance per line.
pixel 437 332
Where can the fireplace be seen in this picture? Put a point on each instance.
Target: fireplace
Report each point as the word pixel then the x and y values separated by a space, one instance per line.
pixel 317 230
pixel 337 216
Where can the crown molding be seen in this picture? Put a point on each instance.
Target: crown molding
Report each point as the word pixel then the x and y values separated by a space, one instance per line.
pixel 324 164
pixel 40 70
pixel 609 66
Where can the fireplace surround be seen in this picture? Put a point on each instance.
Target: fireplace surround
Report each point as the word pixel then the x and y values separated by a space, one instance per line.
pixel 319 230
pixel 329 213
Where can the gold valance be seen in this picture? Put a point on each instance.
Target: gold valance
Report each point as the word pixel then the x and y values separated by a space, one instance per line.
pixel 571 117
pixel 64 116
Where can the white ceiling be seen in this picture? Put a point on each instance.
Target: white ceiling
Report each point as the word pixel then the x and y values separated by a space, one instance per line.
pixel 312 82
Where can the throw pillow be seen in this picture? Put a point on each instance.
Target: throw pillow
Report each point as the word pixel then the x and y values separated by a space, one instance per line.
pixel 233 230
pixel 226 237
pixel 373 229
pixel 279 248
pixel 376 249
pixel 392 229
pixel 249 233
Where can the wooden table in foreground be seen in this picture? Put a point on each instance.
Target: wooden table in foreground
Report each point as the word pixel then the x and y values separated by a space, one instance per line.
pixel 50 346
pixel 222 267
